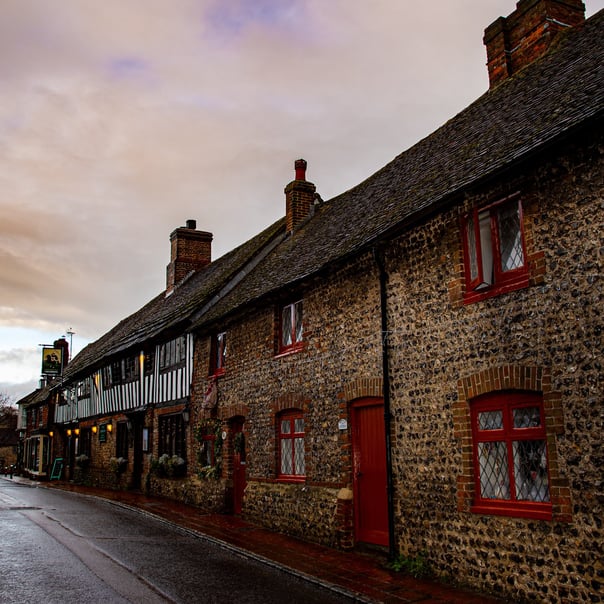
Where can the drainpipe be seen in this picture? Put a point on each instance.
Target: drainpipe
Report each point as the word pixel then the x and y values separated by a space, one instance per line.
pixel 378 254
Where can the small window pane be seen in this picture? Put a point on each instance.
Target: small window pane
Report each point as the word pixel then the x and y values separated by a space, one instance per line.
pixel 508 220
pixel 286 326
pixel 299 456
pixel 286 457
pixel 494 478
pixel 299 326
pixel 285 426
pixel 486 248
pixel 471 235
pixel 530 470
pixel 527 417
pixel 299 425
pixel 490 420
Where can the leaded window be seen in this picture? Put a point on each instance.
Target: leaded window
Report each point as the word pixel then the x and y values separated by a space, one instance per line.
pixel 510 455
pixel 292 327
pixel 291 445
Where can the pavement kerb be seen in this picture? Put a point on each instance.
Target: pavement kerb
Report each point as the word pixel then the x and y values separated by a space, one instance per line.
pixel 354 596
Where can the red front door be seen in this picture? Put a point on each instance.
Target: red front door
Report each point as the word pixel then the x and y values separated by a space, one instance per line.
pixel 239 473
pixel 369 471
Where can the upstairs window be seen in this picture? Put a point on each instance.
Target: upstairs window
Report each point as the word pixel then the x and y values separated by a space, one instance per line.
pixel 291 327
pixel 173 353
pixel 494 250
pixel 83 389
pixel 510 456
pixel 130 369
pixel 149 362
pixel 291 445
pixel 218 353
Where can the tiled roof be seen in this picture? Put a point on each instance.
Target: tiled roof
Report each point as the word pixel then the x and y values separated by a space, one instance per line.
pixel 170 313
pixel 544 102
pixel 540 104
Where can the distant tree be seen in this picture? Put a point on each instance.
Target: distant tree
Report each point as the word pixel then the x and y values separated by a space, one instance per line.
pixel 7 405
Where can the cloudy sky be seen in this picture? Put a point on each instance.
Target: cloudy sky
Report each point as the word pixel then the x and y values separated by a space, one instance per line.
pixel 121 119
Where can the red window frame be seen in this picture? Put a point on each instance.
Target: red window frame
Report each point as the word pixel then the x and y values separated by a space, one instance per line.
pixel 508 434
pixel 291 332
pixel 218 354
pixel 289 440
pixel 484 245
pixel 207 452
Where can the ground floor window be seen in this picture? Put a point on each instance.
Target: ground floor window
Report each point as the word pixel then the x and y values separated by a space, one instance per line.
pixel 510 455
pixel 172 440
pixel 121 440
pixel 37 454
pixel 290 430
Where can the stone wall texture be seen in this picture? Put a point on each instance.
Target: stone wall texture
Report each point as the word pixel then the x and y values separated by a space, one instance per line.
pixel 552 331
pixel 546 338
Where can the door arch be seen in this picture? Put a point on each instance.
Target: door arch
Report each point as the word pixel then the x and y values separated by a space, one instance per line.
pixel 369 475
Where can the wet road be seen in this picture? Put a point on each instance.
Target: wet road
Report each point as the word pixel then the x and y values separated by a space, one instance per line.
pixel 61 547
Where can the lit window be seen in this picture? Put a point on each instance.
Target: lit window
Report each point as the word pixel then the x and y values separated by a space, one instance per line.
pixel 291 326
pixel 291 445
pixel 494 251
pixel 510 455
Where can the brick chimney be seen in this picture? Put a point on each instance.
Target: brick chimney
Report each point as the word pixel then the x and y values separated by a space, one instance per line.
pixel 191 250
pixel 299 197
pixel 516 41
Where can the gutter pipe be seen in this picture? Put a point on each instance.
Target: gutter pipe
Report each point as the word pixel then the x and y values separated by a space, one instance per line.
pixel 378 255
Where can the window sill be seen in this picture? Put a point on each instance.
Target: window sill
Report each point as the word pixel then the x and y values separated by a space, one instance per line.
pixel 536 511
pixel 293 349
pixel 496 290
pixel 291 479
pixel 216 374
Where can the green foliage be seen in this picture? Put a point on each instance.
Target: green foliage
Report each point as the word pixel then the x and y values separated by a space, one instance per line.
pixel 416 566
pixel 170 466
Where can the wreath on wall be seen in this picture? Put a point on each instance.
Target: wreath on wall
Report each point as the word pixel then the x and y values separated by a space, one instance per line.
pixel 204 428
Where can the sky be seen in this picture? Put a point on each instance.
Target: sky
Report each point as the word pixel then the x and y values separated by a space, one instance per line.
pixel 122 119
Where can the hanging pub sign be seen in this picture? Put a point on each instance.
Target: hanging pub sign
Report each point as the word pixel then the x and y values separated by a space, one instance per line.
pixel 52 361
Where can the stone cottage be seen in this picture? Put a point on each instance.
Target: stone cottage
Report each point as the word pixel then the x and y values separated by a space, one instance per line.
pixel 414 364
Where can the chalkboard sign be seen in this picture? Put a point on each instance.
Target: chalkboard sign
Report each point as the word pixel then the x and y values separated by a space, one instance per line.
pixel 57 469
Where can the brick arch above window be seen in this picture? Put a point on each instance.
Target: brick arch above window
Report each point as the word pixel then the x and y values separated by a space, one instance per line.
pixel 291 400
pixel 511 378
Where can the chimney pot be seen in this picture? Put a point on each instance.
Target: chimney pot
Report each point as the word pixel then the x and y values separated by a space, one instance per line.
pixel 191 224
pixel 300 166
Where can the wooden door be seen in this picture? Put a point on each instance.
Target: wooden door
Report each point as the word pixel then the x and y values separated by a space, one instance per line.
pixel 369 471
pixel 239 467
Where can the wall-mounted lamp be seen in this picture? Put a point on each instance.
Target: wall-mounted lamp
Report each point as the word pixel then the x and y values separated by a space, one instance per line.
pixel 109 427
pixel 94 429
pixel 77 432
pixel 69 432
pixel 186 415
pixel 51 434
